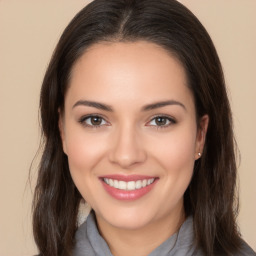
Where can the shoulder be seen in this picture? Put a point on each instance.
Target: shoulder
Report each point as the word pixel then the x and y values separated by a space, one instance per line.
pixel 82 244
pixel 246 250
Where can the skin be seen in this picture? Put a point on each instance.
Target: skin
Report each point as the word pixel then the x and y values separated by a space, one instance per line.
pixel 127 77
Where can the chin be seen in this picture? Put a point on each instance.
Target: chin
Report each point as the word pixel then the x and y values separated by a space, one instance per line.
pixel 127 218
pixel 130 222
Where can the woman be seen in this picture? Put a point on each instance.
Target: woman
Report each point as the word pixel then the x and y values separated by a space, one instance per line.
pixel 137 123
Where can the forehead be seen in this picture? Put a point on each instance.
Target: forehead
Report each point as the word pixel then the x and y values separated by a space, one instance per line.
pixel 139 57
pixel 137 71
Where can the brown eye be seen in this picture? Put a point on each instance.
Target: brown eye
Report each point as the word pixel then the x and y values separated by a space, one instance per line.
pixel 96 120
pixel 160 121
pixel 93 121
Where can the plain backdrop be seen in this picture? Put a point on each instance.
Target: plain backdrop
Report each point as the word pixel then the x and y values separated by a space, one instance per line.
pixel 29 31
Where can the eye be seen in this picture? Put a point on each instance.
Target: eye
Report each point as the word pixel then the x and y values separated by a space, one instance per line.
pixel 161 121
pixel 93 121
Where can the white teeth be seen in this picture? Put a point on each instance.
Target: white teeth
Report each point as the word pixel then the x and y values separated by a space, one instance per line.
pixel 130 185
pixel 116 184
pixel 138 184
pixel 144 183
pixel 111 182
pixel 122 185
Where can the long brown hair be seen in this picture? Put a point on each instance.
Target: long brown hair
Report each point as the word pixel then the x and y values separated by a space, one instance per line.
pixel 211 195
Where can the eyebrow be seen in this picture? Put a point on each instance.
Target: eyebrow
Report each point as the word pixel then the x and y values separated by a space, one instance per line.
pixel 148 107
pixel 93 104
pixel 162 104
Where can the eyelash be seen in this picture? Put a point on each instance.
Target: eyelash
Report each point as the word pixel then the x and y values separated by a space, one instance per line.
pixel 166 117
pixel 83 120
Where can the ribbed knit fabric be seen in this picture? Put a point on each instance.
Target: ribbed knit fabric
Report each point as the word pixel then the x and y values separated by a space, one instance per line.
pixel 90 243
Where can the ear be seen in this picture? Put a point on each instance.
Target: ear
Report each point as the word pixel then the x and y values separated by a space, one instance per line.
pixel 62 131
pixel 201 135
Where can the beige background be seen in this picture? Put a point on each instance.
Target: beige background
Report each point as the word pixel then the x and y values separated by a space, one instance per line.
pixel 29 31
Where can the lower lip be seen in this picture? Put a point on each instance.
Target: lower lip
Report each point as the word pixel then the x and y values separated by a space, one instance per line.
pixel 128 195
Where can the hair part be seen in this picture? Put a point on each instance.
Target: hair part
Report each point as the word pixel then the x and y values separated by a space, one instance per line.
pixel 211 196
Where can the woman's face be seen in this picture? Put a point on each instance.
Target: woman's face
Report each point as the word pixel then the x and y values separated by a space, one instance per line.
pixel 130 133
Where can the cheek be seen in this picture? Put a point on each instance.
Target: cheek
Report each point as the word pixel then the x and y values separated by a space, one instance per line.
pixel 84 151
pixel 176 157
pixel 176 150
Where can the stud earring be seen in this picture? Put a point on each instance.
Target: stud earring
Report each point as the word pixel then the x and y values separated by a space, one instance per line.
pixel 199 154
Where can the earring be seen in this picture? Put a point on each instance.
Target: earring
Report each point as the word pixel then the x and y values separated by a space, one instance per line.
pixel 199 154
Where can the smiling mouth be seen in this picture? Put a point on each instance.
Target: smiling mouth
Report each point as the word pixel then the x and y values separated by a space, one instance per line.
pixel 130 185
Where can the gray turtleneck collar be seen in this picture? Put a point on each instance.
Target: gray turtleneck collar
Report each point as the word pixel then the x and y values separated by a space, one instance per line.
pixel 90 243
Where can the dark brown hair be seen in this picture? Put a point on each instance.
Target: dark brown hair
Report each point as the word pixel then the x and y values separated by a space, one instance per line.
pixel 211 196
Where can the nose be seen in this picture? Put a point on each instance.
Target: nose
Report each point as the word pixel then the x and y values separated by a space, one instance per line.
pixel 127 148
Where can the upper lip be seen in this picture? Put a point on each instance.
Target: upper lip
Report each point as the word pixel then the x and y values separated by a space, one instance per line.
pixel 127 178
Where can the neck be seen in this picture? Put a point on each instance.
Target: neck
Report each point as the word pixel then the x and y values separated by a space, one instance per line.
pixel 141 241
